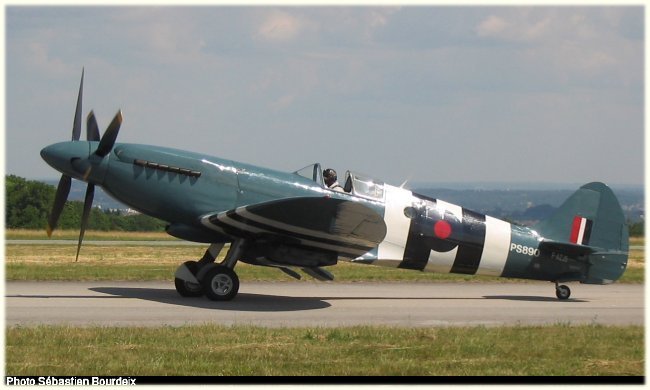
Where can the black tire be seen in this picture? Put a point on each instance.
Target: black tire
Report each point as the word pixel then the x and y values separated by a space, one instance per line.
pixel 189 289
pixel 562 292
pixel 220 283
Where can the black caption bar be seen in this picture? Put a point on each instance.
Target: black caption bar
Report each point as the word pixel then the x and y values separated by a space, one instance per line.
pixel 70 381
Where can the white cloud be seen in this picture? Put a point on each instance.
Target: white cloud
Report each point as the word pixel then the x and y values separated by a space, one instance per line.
pixel 40 56
pixel 45 49
pixel 167 34
pixel 571 46
pixel 317 25
pixel 548 25
pixel 376 19
pixel 519 26
pixel 492 26
pixel 283 102
pixel 280 26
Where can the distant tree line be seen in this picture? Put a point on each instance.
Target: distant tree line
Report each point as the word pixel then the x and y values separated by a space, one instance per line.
pixel 637 229
pixel 28 204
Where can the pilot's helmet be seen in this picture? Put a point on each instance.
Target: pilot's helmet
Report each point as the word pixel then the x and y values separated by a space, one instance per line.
pixel 329 174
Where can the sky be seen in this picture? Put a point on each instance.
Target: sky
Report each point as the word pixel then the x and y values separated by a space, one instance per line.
pixel 421 93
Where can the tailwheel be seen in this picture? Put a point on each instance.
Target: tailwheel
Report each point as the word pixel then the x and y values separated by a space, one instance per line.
pixel 562 292
pixel 185 280
pixel 220 283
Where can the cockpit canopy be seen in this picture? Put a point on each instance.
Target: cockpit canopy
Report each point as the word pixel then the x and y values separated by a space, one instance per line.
pixel 312 172
pixel 355 183
pixel 364 186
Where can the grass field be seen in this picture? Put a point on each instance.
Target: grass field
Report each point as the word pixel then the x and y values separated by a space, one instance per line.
pixel 218 350
pixel 145 262
pixel 26 234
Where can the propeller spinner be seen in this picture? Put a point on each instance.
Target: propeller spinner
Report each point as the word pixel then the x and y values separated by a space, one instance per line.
pixel 74 159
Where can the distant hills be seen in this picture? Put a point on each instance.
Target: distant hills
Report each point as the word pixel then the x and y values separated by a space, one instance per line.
pixel 528 206
pixel 524 204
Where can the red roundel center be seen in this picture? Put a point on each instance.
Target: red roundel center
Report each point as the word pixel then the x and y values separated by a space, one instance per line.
pixel 442 229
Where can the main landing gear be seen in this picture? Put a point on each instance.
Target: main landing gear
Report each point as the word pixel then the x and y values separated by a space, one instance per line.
pixel 562 291
pixel 218 282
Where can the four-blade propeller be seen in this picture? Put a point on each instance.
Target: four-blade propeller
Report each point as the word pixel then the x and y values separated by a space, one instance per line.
pixel 84 166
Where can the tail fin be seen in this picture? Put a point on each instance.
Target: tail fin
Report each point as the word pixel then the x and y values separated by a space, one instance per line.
pixel 592 218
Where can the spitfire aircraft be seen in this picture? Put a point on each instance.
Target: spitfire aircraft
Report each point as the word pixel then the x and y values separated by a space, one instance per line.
pixel 293 220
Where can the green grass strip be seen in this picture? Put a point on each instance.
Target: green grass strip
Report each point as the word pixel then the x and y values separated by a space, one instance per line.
pixel 165 272
pixel 213 350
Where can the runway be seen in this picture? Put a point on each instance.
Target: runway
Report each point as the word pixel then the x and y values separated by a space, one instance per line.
pixel 294 304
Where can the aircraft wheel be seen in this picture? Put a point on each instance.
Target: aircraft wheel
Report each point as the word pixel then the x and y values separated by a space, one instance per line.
pixel 186 288
pixel 562 292
pixel 220 283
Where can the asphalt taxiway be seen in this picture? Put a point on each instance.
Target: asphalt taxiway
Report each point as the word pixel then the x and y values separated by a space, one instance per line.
pixel 278 304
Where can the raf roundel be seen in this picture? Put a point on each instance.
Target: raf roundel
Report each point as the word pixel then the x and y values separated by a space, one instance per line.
pixel 442 229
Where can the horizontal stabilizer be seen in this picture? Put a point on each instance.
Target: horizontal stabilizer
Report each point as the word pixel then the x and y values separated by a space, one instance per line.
pixel 572 250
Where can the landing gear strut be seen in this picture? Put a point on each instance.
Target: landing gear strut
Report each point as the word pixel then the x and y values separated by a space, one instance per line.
pixel 218 282
pixel 562 291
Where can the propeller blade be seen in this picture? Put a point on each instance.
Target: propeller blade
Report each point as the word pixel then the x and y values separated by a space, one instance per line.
pixel 76 125
pixel 109 137
pixel 61 196
pixel 88 202
pixel 92 130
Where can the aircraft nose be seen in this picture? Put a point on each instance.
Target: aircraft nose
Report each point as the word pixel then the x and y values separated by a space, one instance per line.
pixel 52 154
pixel 60 155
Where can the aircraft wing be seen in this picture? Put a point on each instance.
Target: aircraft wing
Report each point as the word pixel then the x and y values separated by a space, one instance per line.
pixel 347 228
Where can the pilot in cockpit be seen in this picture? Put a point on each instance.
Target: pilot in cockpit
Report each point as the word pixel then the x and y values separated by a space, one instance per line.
pixel 330 180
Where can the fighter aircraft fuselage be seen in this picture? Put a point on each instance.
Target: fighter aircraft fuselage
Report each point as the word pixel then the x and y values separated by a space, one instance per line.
pixel 293 219
pixel 185 188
